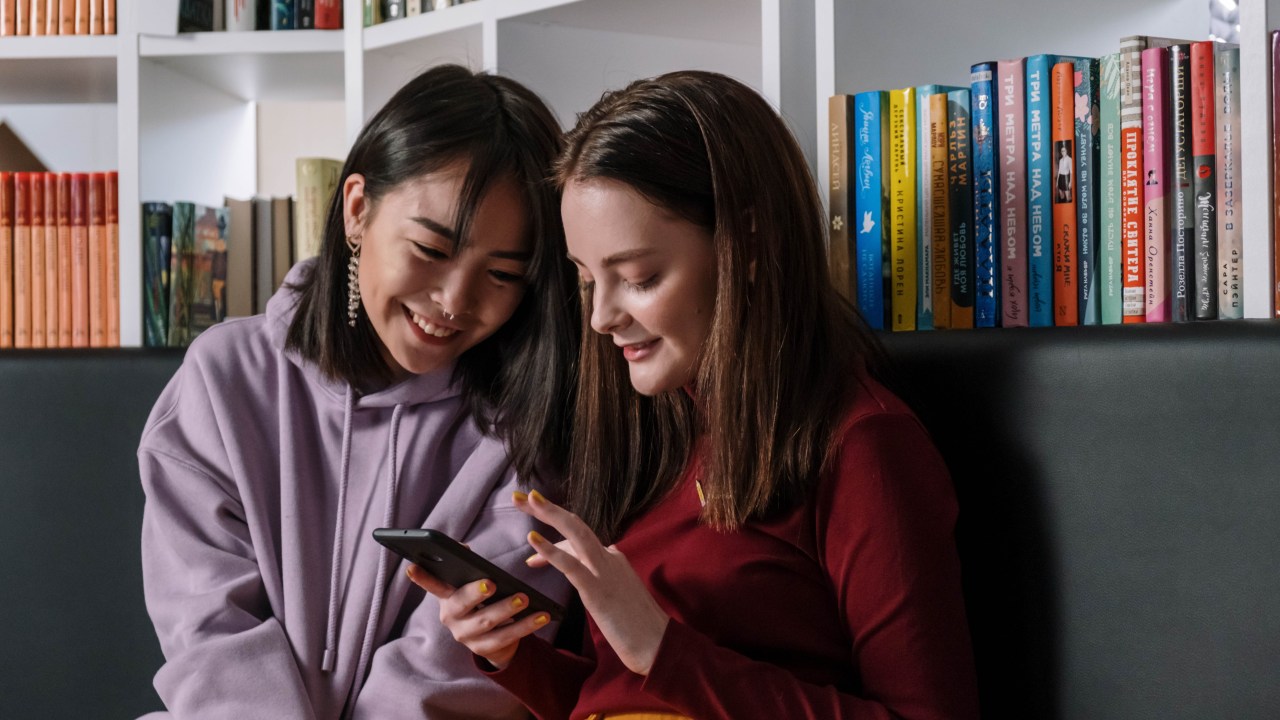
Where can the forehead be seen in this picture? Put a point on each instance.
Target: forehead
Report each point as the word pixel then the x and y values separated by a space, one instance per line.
pixel 499 221
pixel 607 220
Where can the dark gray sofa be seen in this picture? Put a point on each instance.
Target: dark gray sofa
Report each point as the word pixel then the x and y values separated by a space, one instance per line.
pixel 1120 519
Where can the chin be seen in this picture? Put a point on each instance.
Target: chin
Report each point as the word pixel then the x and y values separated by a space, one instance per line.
pixel 650 386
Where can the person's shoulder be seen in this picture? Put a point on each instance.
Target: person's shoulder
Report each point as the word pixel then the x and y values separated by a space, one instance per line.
pixel 232 348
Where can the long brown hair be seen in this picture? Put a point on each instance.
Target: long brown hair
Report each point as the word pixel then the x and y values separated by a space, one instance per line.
pixel 780 364
pixel 517 381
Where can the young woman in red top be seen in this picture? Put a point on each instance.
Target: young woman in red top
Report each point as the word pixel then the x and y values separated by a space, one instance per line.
pixel 758 528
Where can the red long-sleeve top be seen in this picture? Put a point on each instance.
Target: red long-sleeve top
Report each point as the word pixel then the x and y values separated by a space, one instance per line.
pixel 848 606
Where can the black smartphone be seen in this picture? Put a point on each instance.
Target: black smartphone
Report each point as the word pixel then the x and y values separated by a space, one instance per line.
pixel 454 563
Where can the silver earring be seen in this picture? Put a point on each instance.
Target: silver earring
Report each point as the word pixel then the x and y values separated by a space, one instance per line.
pixel 353 281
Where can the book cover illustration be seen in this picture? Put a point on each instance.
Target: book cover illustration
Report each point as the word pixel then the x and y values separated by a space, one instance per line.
pixel 1181 217
pixel 1204 182
pixel 871 195
pixel 1230 233
pixel 960 210
pixel 181 273
pixel 986 198
pixel 1154 187
pixel 157 228
pixel 1066 296
pixel 1088 152
pixel 208 269
pixel 1012 176
pixel 842 118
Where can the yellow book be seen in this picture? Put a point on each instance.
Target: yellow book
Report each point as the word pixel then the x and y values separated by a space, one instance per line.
pixel 940 228
pixel 902 208
pixel 317 180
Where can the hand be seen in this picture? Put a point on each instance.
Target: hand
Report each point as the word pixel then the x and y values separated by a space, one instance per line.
pixel 627 615
pixel 487 631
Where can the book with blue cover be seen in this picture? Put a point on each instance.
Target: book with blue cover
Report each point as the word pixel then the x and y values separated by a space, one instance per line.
pixel 960 186
pixel 871 195
pixel 1088 160
pixel 986 198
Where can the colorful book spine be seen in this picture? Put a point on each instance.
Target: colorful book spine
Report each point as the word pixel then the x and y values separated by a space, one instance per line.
pixel 37 261
pixel 1066 292
pixel 1181 216
pixel 97 261
pixel 1230 235
pixel 209 269
pixel 112 208
pixel 1040 169
pixel 181 266
pixel 282 17
pixel 1088 161
pixel 6 259
pixel 960 209
pixel 842 118
pixel 1204 181
pixel 871 195
pixel 64 260
pixel 1011 85
pixel 157 228
pixel 1155 227
pixel 1134 287
pixel 1110 285
pixel 986 195
pixel 924 210
pixel 329 14
pixel 50 184
pixel 80 260
pixel 1275 166
pixel 22 260
pixel 902 204
pixel 939 211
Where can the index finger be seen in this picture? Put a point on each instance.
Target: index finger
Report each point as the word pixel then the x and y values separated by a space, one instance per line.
pixel 585 545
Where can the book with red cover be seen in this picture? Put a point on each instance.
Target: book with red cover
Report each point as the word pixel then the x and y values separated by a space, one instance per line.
pixel 50 183
pixel 1066 293
pixel 111 205
pixel 22 260
pixel 97 261
pixel 63 222
pixel 80 260
pixel 37 260
pixel 1154 183
pixel 328 14
pixel 6 260
pixel 1275 164
pixel 1204 183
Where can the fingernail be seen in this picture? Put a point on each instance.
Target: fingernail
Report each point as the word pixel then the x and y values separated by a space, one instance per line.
pixel 529 559
pixel 536 538
pixel 542 620
pixel 537 497
pixel 408 571
pixel 484 588
pixel 517 602
pixel 519 497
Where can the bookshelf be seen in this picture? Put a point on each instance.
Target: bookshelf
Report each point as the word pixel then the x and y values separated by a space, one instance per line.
pixel 860 46
pixel 185 107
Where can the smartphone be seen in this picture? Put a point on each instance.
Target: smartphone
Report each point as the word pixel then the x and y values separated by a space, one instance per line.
pixel 454 563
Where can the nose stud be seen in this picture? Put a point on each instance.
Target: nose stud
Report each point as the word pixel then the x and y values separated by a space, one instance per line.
pixel 448 315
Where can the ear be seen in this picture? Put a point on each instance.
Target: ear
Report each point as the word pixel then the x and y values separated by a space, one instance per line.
pixel 355 206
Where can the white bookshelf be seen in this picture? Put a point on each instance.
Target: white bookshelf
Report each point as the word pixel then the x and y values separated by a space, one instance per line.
pixel 874 46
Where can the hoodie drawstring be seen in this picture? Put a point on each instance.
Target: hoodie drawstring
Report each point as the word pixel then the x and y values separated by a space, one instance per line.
pixel 331 631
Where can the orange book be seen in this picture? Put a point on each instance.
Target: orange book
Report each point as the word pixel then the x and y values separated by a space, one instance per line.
pixel 64 259
pixel 52 17
pixel 82 16
pixel 8 21
pixel 50 184
pixel 38 16
pixel 112 207
pixel 38 295
pixel 22 260
pixel 109 17
pixel 6 260
pixel 96 23
pixel 80 260
pixel 23 17
pixel 97 261
pixel 66 17
pixel 1066 291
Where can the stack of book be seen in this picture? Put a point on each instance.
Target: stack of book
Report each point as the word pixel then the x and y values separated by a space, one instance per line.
pixel 59 260
pixel 57 17
pixel 249 15
pixel 1053 190
pixel 380 11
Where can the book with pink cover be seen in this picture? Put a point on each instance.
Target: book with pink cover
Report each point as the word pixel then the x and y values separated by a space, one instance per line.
pixel 1154 184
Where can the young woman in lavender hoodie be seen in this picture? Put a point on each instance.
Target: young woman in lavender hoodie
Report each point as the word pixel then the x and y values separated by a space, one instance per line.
pixel 406 377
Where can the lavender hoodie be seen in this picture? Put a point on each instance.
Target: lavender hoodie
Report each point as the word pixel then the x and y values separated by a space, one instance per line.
pixel 263 482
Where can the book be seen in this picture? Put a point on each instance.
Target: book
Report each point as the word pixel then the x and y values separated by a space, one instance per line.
pixel 839 192
pixel 157 228
pixel 8 23
pixel 263 254
pixel 1011 84
pixel 109 17
pixel 82 16
pixel 37 330
pixel 50 185
pixel 64 260
pixel 986 196
pixel 329 14
pixel 933 226
pixel 1275 166
pixel 1204 182
pixel 112 287
pixel 414 7
pixel 208 280
pixel 304 14
pixel 902 206
pixel 282 237
pixel 960 210
pixel 97 261
pixel 1181 200
pixel 1226 63
pixel 372 12
pixel 282 18
pixel 242 15
pixel 193 16
pixel 80 260
pixel 22 260
pixel 871 197
pixel 38 10
pixel 317 180
pixel 1066 292
pixel 6 259
pixel 66 17
pixel 181 268
pixel 240 256
pixel 1155 227
pixel 1088 162
pixel 97 19
pixel 22 21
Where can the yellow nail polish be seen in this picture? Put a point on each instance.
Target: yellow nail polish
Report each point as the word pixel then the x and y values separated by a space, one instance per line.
pixel 408 572
pixel 519 497
pixel 529 559
pixel 541 620
pixel 535 537
pixel 537 497
pixel 484 588
pixel 517 602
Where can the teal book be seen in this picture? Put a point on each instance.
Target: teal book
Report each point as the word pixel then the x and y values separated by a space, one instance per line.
pixel 157 229
pixel 1110 283
pixel 181 262
pixel 871 197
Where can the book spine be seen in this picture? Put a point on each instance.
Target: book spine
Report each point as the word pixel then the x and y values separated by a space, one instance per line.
pixel 986 199
pixel 960 210
pixel 924 211
pixel 97 19
pixel 902 203
pixel 50 259
pixel 940 212
pixel 414 7
pixel 282 18
pixel 1181 216
pixel 304 14
pixel 329 14
pixel 22 260
pixel 38 335
pixel 109 17
pixel 1066 293
pixel 157 226
pixel 1230 236
pixel 242 15
pixel 66 17
pixel 111 205
pixel 870 196
pixel 1039 200
pixel 1134 283
pixel 181 261
pixel 38 20
pixel 8 22
pixel 82 16
pixel 1155 227
pixel 840 108
pixel 80 260
pixel 6 259
pixel 1011 79
pixel 50 19
pixel 372 12
pixel 97 262
pixel 1275 164
pixel 64 260
pixel 23 25
pixel 1204 181
pixel 1088 161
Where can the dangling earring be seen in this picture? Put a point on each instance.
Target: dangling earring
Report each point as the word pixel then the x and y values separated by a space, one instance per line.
pixel 353 281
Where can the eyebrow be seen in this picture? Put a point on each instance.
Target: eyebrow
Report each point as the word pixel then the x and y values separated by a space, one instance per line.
pixel 619 258
pixel 448 234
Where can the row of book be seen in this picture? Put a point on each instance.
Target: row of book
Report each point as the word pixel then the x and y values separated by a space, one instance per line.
pixel 203 264
pixel 250 15
pixel 1054 190
pixel 59 260
pixel 57 17
pixel 380 11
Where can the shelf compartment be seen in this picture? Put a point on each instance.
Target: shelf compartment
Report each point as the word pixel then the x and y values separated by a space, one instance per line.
pixel 255 66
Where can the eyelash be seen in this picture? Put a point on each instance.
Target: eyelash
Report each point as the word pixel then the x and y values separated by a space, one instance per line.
pixel 499 275
pixel 643 285
pixel 431 252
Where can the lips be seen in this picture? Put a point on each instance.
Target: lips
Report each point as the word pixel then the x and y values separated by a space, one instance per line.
pixel 639 351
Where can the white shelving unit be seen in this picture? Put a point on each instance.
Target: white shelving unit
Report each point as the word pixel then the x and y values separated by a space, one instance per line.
pixel 866 45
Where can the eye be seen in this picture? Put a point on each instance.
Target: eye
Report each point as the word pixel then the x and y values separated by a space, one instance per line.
pixel 646 284
pixel 430 252
pixel 505 277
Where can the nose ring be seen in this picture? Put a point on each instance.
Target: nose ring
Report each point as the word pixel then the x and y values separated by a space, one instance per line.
pixel 448 315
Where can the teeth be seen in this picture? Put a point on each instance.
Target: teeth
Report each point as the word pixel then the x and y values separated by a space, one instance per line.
pixel 429 327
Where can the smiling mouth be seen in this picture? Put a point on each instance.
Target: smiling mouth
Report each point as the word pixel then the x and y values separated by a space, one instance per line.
pixel 429 327
pixel 639 351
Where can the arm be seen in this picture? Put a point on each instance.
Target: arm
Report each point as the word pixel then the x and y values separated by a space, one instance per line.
pixel 547 680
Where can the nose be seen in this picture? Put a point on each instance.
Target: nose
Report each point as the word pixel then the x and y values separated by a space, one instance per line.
pixel 457 291
pixel 606 314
